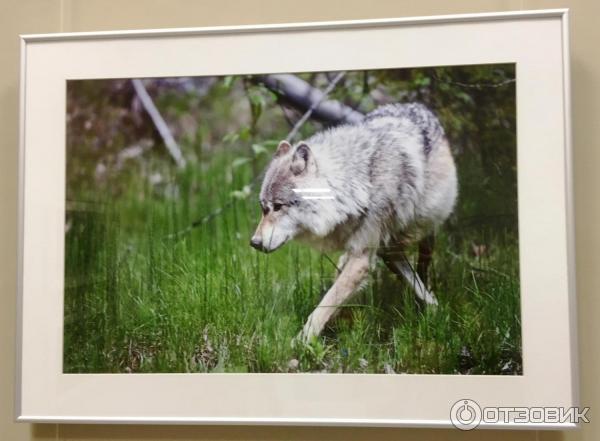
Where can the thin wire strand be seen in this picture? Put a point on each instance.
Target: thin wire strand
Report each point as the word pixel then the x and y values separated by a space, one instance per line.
pixel 475 85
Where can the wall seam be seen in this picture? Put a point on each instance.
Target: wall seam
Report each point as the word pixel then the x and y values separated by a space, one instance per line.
pixel 62 29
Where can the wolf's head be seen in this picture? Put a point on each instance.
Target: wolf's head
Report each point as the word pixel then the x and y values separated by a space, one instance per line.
pixel 281 196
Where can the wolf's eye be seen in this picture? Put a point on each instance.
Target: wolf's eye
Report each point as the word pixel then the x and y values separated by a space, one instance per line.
pixel 277 207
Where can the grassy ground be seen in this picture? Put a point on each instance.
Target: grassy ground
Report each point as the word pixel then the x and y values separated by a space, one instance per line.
pixel 140 299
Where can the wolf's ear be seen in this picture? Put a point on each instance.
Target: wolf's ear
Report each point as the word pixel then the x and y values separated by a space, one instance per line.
pixel 282 148
pixel 300 160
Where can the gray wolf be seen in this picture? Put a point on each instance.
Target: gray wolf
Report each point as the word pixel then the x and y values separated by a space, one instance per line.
pixel 369 189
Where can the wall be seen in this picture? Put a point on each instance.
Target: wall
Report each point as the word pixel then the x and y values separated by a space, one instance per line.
pixel 35 16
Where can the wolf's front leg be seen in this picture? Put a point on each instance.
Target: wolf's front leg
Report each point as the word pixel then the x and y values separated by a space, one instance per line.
pixel 353 273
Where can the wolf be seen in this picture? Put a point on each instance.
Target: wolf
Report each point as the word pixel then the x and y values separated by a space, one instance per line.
pixel 369 189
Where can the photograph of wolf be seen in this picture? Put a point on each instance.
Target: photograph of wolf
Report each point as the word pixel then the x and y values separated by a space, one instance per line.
pixel 326 222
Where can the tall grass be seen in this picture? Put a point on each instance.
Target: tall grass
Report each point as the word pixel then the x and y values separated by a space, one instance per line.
pixel 140 297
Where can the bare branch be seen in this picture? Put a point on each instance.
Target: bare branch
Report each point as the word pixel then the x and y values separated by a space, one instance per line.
pixel 158 122
pixel 303 96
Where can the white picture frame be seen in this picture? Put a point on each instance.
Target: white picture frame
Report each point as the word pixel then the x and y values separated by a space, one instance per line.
pixel 537 41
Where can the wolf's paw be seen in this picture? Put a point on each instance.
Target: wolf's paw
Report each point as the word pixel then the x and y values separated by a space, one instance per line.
pixel 430 299
pixel 304 337
pixel 301 339
pixel 297 341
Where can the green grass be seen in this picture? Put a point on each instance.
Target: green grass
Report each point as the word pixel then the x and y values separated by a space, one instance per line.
pixel 140 299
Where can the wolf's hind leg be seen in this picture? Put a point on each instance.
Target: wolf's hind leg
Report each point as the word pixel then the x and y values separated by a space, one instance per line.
pixel 352 275
pixel 425 255
pixel 399 265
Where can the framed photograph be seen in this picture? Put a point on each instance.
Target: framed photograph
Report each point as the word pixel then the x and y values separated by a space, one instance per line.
pixel 342 223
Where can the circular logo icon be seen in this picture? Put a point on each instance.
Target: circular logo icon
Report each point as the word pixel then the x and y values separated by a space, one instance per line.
pixel 465 414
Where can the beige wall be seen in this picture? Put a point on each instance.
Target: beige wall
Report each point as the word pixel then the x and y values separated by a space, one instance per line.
pixel 34 16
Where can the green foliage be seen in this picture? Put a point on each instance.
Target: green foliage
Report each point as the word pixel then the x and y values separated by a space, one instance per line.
pixel 144 292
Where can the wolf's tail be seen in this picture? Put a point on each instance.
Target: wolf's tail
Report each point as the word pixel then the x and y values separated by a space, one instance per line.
pixel 418 114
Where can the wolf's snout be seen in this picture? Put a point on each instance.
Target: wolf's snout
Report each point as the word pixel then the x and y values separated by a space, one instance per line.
pixel 256 243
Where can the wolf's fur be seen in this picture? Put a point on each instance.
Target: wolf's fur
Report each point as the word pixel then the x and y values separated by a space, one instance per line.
pixel 369 188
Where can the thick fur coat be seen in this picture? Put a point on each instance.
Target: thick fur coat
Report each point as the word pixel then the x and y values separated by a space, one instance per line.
pixel 386 181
